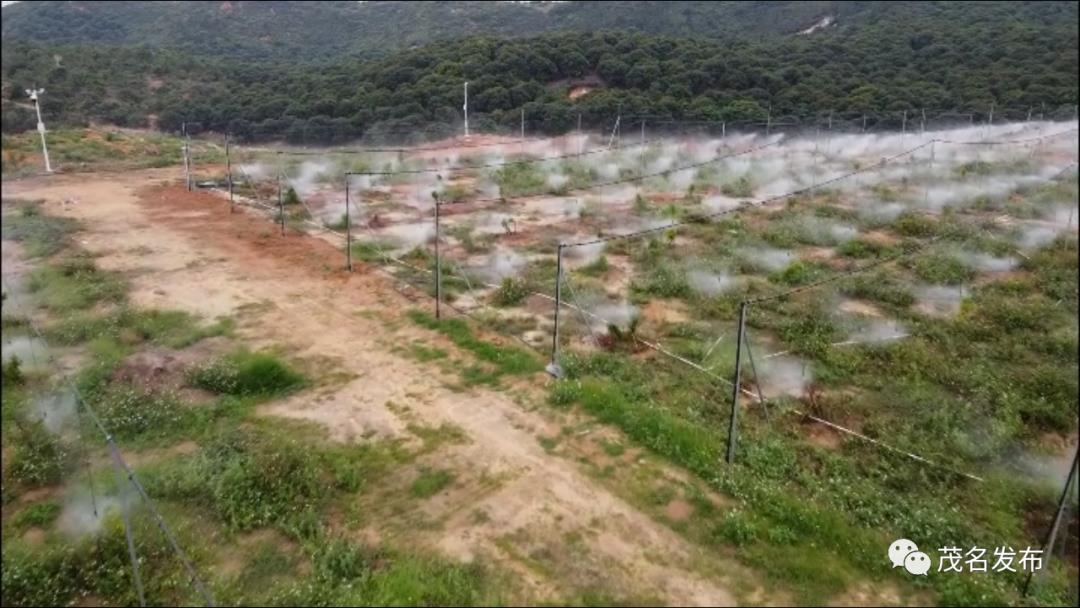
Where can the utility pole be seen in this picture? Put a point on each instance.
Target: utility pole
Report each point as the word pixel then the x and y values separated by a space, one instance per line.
pixel 228 169
pixel 348 228
pixel 737 384
pixel 466 107
pixel 553 368
pixel 34 95
pixel 438 261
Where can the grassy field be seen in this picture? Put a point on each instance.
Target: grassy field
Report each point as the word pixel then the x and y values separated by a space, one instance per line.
pixel 73 150
pixel 216 471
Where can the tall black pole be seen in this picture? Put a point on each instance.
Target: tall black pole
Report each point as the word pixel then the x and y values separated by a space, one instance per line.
pixel 553 367
pixel 438 261
pixel 736 384
pixel 228 169
pixel 1051 536
pixel 348 228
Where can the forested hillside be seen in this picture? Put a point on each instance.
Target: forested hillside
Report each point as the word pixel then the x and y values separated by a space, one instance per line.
pixel 314 31
pixel 963 63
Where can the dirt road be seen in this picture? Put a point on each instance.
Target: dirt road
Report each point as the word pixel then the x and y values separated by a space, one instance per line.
pixel 512 502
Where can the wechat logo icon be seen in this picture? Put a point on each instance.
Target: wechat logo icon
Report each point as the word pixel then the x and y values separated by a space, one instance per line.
pixel 906 554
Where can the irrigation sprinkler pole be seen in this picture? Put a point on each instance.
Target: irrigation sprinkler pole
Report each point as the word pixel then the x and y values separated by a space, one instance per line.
pixel 438 261
pixel 348 228
pixel 1051 537
pixel 228 169
pixel 736 384
pixel 281 202
pixel 553 367
pixel 135 575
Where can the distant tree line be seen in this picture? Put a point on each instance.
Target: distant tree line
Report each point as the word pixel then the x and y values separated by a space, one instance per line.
pixel 873 69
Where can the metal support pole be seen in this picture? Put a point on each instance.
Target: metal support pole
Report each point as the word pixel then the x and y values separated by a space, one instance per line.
pixel 768 120
pixel 922 125
pixel 438 261
pixel 830 119
pixel 553 368
pixel 281 204
pixel 1051 537
pixel 737 383
pixel 1029 114
pixel 903 127
pixel 228 169
pixel 757 378
pixel 187 156
pixel 348 228
pixel 522 123
pixel 864 122
pixel 122 489
pixel 723 130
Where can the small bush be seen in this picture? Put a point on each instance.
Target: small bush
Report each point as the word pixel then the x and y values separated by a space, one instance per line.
pixel 511 292
pixel 743 187
pixel 12 372
pixel 40 514
pixel 244 373
pixel 430 482
pixel 38 457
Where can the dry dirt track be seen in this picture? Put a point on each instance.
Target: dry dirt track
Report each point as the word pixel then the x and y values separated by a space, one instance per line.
pixel 186 251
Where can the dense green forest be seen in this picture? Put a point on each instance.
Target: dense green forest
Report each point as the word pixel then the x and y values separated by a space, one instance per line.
pixel 298 31
pixel 965 63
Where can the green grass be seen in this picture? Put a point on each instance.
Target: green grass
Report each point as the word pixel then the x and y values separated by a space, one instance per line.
pixel 40 235
pixel 41 515
pixel 38 457
pixel 519 179
pixel 503 360
pixel 94 148
pixel 75 283
pixel 430 482
pixel 244 373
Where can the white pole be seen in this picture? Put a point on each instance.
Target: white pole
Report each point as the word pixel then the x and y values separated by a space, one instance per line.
pixel 466 110
pixel 34 94
pixel 581 139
